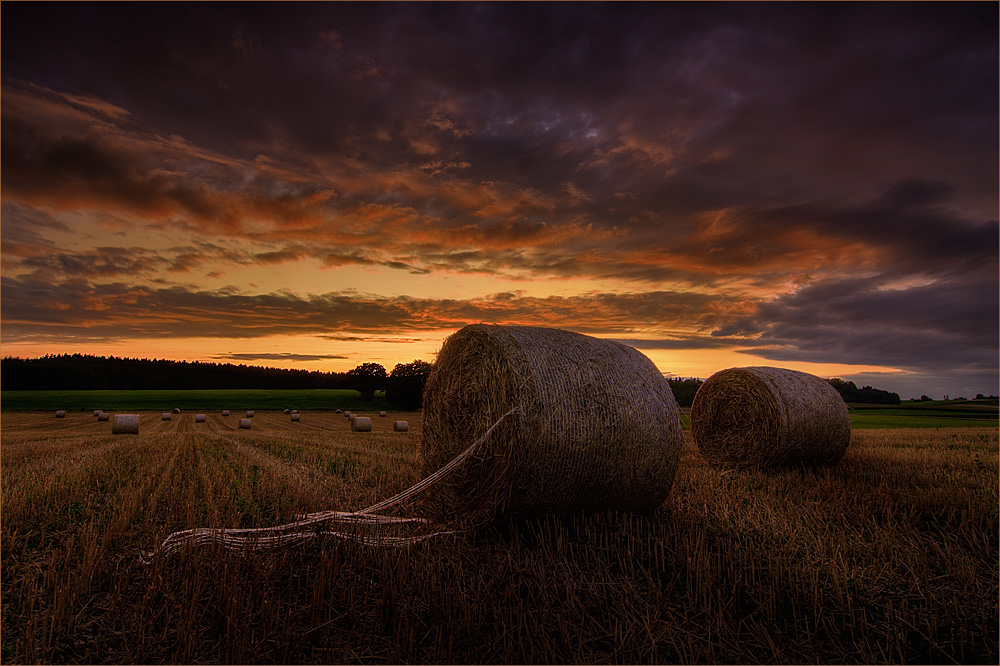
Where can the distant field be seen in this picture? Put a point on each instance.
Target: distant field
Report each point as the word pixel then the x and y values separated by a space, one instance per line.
pixel 932 414
pixel 201 399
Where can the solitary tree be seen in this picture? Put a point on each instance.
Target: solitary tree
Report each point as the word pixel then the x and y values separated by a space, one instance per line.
pixel 366 379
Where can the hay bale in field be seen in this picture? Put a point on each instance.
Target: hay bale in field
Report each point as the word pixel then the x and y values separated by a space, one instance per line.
pixel 199 418
pixel 177 410
pixel 295 411
pixel 352 417
pixel 348 415
pixel 249 414
pixel 601 429
pixel 338 412
pixel 400 426
pixel 97 412
pixel 103 416
pixel 245 424
pixel 165 416
pixel 295 417
pixel 60 413
pixel 382 414
pixel 361 424
pixel 125 424
pixel 761 417
pixel 225 412
pixel 287 411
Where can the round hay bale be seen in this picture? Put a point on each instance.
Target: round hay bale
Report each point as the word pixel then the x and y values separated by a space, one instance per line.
pixel 287 411
pixel 761 418
pixel 400 426
pixel 165 416
pixel 245 424
pixel 103 416
pixel 295 417
pixel 382 414
pixel 601 429
pixel 352 417
pixel 361 424
pixel 60 413
pixel 125 424
pixel 249 414
pixel 338 412
pixel 97 412
pixel 295 411
pixel 199 418
pixel 225 412
pixel 177 410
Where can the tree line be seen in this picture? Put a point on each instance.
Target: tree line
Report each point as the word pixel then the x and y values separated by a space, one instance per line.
pixel 403 386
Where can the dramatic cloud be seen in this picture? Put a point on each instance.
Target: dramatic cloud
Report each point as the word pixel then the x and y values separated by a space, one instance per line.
pixel 806 182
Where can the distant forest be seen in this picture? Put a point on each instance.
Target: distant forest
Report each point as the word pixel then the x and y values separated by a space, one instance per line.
pixel 84 372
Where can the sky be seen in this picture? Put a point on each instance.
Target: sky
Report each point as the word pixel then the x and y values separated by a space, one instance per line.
pixel 319 185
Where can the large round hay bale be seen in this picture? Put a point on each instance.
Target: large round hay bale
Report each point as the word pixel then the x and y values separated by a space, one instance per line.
pixel 400 426
pixel 245 424
pixel 125 424
pixel 361 424
pixel 761 418
pixel 601 429
pixel 104 416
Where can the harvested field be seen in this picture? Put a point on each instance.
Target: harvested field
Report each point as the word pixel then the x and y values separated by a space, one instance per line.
pixel 888 557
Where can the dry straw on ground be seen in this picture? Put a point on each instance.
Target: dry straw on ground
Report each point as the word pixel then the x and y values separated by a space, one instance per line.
pixel 125 424
pixel 601 428
pixel 760 417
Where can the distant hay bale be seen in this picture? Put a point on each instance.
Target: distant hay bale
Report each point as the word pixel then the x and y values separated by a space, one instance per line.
pixel 601 429
pixel 352 417
pixel 103 416
pixel 382 414
pixel 400 426
pixel 97 412
pixel 295 417
pixel 199 418
pixel 165 416
pixel 249 414
pixel 761 418
pixel 348 415
pixel 245 424
pixel 338 412
pixel 125 424
pixel 361 424
pixel 176 410
pixel 287 411
pixel 295 411
pixel 60 413
pixel 225 412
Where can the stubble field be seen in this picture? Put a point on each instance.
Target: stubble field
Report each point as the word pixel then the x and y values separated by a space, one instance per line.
pixel 889 557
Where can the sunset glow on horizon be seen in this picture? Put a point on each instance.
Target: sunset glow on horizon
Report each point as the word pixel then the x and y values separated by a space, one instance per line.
pixel 320 185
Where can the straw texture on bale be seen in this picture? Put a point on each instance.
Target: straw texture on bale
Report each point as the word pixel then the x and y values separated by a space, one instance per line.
pixel 361 424
pixel 103 416
pixel 225 412
pixel 165 416
pixel 400 426
pixel 295 417
pixel 601 428
pixel 245 424
pixel 762 418
pixel 125 424
pixel 249 414
pixel 199 418
pixel 60 413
